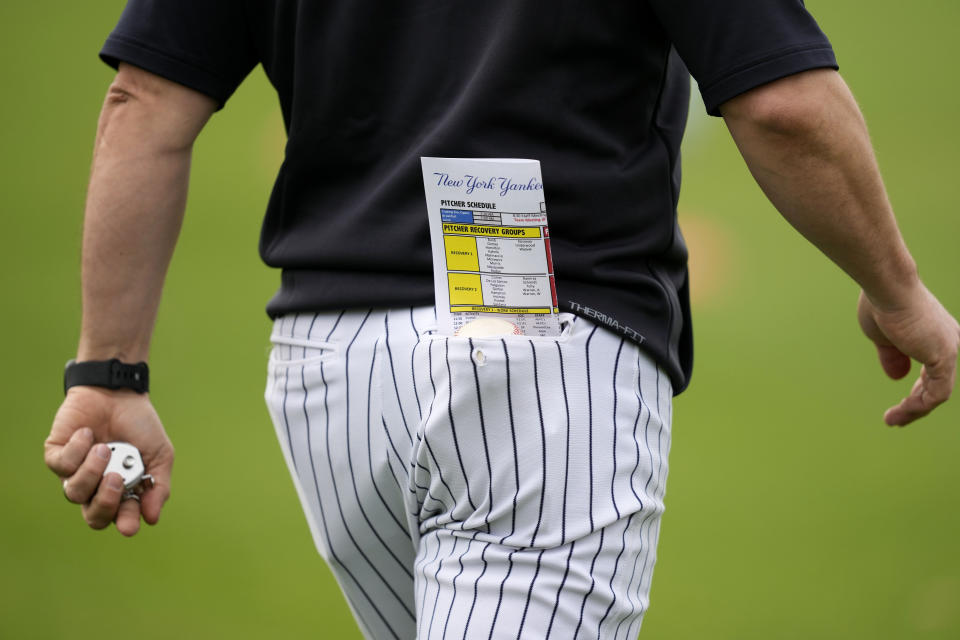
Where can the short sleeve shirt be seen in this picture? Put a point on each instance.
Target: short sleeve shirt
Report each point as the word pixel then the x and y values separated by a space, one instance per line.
pixel 597 91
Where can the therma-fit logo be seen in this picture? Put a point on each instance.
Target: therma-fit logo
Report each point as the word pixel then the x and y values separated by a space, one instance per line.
pixel 607 321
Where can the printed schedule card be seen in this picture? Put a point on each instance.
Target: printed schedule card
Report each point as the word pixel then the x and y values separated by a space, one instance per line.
pixel 491 243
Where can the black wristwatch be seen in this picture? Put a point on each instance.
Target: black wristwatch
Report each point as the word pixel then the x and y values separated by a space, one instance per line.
pixel 111 374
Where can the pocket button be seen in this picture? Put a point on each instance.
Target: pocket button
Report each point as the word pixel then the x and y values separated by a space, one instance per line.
pixel 479 357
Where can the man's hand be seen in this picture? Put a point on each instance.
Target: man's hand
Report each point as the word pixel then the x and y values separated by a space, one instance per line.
pixel 75 451
pixel 921 330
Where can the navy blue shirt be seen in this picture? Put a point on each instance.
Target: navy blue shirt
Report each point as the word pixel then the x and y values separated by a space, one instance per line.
pixel 597 91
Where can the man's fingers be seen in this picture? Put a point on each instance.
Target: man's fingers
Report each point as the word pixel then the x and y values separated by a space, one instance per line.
pixel 128 517
pixel 152 501
pixel 102 509
pixel 895 364
pixel 65 459
pixel 160 466
pixel 910 409
pixel 81 486
pixel 928 393
pixel 155 497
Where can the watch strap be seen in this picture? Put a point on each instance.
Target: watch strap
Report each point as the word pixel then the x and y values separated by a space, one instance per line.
pixel 110 374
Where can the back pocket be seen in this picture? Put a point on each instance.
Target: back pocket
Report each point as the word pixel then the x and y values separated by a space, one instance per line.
pixel 292 351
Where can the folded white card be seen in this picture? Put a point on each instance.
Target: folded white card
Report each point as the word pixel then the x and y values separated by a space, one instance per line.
pixel 491 243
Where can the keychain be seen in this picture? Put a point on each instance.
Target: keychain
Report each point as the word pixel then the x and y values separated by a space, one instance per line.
pixel 125 459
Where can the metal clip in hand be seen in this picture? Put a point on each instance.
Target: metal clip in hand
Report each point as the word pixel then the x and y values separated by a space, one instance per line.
pixel 125 459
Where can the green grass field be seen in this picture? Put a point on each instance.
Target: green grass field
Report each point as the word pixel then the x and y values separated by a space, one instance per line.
pixel 792 512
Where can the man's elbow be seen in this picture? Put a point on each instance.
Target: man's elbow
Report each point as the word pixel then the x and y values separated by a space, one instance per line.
pixel 119 93
pixel 132 84
pixel 156 109
pixel 796 106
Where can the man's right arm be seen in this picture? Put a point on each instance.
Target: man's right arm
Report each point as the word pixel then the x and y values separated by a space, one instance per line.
pixel 135 205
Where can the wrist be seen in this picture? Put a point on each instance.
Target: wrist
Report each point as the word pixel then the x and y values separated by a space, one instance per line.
pixel 90 350
pixel 119 334
pixel 897 289
pixel 108 374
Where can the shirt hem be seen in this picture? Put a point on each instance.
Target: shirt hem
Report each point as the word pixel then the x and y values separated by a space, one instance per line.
pixel 764 71
pixel 121 49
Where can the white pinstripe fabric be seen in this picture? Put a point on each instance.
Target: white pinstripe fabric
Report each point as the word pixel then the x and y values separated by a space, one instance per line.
pixel 475 488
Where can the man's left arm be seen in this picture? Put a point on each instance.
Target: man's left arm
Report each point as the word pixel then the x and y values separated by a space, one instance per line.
pixel 806 144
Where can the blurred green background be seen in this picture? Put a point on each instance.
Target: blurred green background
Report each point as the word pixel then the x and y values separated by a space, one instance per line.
pixel 792 511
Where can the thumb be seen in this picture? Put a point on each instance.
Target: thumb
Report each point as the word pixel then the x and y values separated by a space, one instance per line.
pixel 895 364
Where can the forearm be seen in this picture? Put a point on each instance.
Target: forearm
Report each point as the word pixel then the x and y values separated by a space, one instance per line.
pixel 135 206
pixel 807 146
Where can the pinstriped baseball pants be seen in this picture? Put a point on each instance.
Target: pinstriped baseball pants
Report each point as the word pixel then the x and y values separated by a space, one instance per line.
pixel 495 487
